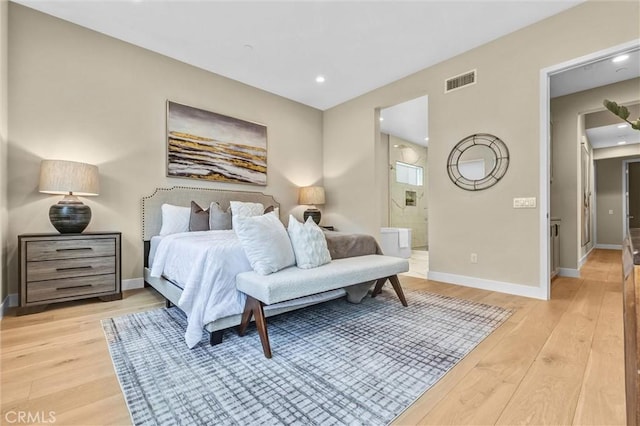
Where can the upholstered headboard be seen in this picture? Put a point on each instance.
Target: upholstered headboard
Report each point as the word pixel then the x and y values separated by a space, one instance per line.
pixel 182 196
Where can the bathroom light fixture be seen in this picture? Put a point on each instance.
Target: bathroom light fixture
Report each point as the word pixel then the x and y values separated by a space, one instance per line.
pixel 320 79
pixel 620 58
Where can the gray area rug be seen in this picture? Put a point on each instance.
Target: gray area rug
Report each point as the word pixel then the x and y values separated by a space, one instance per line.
pixel 333 363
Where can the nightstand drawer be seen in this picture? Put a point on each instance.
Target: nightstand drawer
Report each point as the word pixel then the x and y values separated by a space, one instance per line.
pixel 70 249
pixel 69 268
pixel 72 287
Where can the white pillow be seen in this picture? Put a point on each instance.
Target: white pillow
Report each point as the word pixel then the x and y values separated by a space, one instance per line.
pixel 241 209
pixel 174 219
pixel 265 242
pixel 309 243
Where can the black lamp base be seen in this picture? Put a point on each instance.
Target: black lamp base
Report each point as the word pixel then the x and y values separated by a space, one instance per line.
pixel 70 216
pixel 315 215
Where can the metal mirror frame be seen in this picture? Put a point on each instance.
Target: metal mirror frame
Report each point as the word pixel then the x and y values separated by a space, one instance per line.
pixel 500 167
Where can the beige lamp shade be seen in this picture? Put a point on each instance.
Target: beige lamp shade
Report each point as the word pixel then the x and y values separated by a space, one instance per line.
pixel 311 195
pixel 68 177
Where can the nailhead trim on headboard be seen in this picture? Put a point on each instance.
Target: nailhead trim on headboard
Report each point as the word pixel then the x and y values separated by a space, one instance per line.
pixel 183 195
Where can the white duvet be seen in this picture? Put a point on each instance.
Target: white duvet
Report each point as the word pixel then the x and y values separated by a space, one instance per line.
pixel 205 265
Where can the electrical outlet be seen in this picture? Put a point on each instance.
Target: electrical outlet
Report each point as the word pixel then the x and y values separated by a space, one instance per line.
pixel 610 211
pixel 474 258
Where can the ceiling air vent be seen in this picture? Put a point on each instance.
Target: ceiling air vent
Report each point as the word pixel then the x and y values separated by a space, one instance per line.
pixel 460 81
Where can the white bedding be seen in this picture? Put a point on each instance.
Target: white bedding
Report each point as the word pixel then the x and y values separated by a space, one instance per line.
pixel 205 265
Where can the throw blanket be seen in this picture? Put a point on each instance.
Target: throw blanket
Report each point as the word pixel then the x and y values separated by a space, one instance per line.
pixel 343 245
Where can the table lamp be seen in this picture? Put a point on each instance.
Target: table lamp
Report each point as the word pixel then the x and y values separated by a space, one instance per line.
pixel 69 178
pixel 312 196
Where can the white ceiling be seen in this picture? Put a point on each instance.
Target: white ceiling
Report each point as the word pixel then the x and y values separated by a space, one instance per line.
pixel 612 135
pixel 407 120
pixel 281 46
pixel 595 74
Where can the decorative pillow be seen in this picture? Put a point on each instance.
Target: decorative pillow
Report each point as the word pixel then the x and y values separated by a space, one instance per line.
pixel 198 219
pixel 273 209
pixel 265 242
pixel 309 243
pixel 218 219
pixel 174 219
pixel 241 209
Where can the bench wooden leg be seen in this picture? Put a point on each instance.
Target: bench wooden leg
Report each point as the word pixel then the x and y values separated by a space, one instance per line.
pixel 378 287
pixel 253 307
pixel 396 286
pixel 395 282
pixel 247 314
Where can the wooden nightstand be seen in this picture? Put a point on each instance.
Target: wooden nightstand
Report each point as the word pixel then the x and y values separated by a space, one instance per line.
pixel 61 267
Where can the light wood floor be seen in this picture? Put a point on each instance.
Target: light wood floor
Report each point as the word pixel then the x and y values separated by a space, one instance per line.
pixel 557 362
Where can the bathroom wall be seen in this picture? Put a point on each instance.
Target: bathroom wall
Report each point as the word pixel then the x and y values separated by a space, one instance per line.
pixel 402 215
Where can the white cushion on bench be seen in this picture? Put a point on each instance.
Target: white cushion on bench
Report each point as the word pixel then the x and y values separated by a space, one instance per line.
pixel 293 282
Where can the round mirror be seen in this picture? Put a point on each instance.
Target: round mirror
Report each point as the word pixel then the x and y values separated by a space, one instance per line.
pixel 478 162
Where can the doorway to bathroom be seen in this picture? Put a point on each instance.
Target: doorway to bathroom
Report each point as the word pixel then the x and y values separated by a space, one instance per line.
pixel 404 129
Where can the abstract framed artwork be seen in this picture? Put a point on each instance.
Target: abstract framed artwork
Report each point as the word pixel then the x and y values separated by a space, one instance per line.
pixel 214 147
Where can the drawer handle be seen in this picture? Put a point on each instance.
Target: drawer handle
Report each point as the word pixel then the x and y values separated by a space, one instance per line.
pixel 71 268
pixel 74 249
pixel 74 286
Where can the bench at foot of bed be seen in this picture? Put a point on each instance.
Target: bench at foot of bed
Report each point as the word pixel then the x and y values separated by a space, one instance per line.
pixel 292 283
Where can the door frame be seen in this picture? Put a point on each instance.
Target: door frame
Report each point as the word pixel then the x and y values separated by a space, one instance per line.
pixel 545 160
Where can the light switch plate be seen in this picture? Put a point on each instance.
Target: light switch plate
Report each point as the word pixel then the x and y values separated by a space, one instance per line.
pixel 524 203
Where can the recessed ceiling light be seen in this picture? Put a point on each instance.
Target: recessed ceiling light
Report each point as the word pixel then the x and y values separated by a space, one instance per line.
pixel 622 142
pixel 381 119
pixel 320 79
pixel 396 146
pixel 426 139
pixel 622 126
pixel 620 58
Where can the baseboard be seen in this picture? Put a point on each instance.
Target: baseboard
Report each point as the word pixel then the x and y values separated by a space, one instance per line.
pixel 481 283
pixel 609 246
pixel 568 272
pixel 10 301
pixel 132 283
pixel 583 259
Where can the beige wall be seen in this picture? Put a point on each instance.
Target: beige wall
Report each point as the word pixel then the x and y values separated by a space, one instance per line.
pixel 79 95
pixel 567 115
pixel 504 102
pixel 400 215
pixel 4 20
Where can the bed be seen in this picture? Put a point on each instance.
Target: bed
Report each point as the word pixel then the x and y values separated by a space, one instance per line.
pixel 196 270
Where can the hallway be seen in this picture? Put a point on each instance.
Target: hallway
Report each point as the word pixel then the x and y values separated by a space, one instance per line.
pixel 556 362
